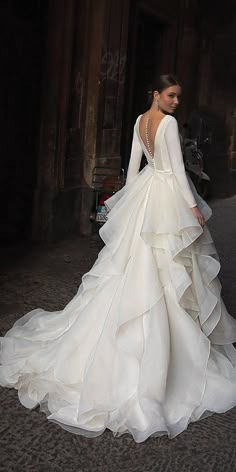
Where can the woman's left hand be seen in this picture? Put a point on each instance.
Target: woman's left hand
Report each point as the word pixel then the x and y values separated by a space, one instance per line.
pixel 198 215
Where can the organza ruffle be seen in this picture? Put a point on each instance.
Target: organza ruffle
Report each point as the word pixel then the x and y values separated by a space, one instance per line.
pixel 145 346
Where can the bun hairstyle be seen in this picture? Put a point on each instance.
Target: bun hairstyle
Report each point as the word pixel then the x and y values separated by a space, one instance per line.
pixel 163 82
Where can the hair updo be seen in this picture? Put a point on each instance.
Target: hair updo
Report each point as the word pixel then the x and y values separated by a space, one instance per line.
pixel 163 82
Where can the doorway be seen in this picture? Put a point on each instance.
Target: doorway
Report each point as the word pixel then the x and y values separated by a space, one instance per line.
pixel 144 61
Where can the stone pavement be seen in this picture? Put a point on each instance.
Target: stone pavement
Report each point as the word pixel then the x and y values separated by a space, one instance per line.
pixel 49 277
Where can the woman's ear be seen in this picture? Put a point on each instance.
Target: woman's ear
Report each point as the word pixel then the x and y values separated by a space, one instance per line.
pixel 156 95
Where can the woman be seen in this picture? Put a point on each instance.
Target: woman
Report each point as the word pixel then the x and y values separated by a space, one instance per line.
pixel 145 346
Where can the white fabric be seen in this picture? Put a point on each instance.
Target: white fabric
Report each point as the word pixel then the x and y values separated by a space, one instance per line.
pixel 167 155
pixel 145 346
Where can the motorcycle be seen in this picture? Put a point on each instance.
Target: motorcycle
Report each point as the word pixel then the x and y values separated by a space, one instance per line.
pixel 194 165
pixel 110 185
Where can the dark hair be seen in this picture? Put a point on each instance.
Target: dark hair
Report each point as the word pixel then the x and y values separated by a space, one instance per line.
pixel 163 82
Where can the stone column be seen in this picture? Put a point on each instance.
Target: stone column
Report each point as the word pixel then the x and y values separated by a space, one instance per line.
pixel 105 93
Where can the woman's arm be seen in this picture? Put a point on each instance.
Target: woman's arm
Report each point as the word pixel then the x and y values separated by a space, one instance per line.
pixel 177 163
pixel 135 158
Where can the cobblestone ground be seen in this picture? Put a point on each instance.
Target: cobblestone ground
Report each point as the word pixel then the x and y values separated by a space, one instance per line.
pixel 28 442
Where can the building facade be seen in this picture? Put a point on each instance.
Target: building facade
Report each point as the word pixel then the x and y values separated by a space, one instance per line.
pixel 85 78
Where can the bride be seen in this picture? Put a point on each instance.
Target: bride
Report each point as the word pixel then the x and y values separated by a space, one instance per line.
pixel 145 346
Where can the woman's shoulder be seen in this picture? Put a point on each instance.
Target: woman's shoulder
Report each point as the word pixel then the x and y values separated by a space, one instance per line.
pixel 139 117
pixel 171 119
pixel 171 122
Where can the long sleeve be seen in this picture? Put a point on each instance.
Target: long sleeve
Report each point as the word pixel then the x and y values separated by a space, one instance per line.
pixel 177 163
pixel 135 158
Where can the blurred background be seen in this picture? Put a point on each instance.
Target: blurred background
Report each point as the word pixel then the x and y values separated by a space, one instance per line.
pixel 75 75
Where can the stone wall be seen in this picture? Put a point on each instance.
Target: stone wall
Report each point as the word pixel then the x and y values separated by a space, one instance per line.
pixel 97 61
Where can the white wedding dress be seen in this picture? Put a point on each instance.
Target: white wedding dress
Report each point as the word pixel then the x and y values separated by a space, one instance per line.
pixel 145 346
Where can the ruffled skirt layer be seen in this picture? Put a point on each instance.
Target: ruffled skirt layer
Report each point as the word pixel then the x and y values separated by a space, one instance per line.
pixel 145 346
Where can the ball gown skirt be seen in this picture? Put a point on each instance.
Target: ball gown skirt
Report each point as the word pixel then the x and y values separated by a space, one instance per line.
pixel 145 346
